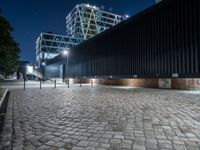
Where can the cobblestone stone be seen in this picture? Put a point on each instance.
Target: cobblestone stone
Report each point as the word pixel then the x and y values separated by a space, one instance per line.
pixel 102 118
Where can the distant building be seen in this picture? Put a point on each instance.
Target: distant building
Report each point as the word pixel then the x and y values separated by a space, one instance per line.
pixel 86 21
pixel 49 45
pixel 82 23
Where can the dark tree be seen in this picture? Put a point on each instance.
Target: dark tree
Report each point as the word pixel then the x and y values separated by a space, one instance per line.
pixel 9 49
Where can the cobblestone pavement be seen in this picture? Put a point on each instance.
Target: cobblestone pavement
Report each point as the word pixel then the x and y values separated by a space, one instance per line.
pixel 101 118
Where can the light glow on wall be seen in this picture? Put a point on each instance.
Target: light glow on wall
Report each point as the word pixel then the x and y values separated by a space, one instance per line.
pixel 29 69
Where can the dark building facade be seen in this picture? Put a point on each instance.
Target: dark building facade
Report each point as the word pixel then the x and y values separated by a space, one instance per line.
pixel 163 41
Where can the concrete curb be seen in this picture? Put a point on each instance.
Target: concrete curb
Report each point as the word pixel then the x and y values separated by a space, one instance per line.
pixel 7 134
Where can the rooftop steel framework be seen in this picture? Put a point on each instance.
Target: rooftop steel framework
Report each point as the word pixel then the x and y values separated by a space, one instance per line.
pixel 49 45
pixel 86 21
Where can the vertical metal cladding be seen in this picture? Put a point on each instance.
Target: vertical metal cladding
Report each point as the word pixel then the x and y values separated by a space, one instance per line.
pixel 162 41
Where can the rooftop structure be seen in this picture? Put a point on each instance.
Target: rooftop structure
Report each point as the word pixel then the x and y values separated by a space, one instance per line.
pixel 85 21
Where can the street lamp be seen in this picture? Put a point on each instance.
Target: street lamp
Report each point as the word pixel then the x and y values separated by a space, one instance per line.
pixel 44 64
pixel 65 53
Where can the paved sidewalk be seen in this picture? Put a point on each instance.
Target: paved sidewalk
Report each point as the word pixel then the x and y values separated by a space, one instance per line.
pixel 101 118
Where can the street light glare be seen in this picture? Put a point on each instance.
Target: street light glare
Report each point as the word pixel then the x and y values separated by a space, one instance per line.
pixel 43 63
pixel 65 52
pixel 29 69
pixel 127 16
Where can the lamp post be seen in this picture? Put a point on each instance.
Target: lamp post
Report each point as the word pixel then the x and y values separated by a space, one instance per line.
pixel 44 64
pixel 66 53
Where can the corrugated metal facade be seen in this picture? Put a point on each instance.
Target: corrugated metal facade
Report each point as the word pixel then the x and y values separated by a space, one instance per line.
pixel 158 42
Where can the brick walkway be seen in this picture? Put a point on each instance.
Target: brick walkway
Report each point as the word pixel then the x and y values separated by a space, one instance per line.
pixel 102 118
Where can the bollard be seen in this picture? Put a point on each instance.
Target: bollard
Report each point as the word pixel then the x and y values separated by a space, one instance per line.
pixel 68 82
pixel 80 83
pixel 24 85
pixel 40 84
pixel 55 84
pixel 193 82
pixel 91 82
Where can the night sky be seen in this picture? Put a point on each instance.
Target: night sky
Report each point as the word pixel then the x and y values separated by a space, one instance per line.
pixel 31 17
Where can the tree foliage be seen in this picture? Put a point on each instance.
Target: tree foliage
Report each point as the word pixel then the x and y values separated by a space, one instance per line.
pixel 9 49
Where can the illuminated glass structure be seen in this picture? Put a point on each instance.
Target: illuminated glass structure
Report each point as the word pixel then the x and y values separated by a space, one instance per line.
pixel 49 45
pixel 85 21
pixel 82 23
